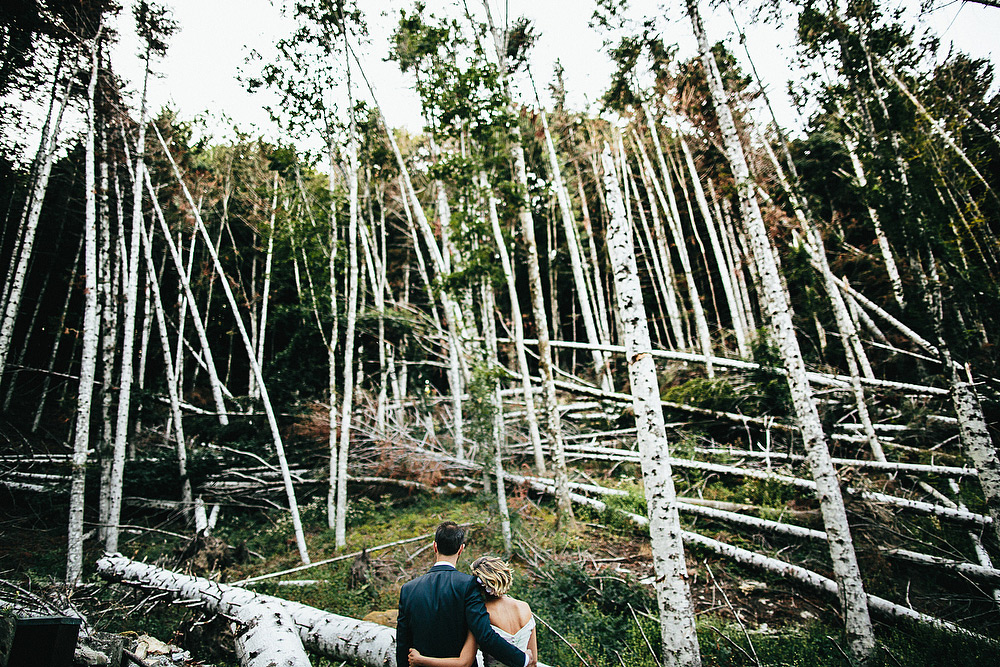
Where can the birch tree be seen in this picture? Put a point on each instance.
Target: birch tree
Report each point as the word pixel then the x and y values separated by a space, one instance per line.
pixel 860 635
pixel 677 628
pixel 91 331
pixel 251 354
pixel 155 26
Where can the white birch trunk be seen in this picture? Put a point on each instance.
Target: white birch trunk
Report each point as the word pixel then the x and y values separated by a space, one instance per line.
pixel 725 276
pixel 661 252
pixel 269 259
pixel 131 288
pixel 88 362
pixel 884 608
pixel 674 219
pixel 196 319
pixel 334 636
pixel 666 292
pixel 109 331
pixel 936 128
pixel 853 350
pixel 340 525
pixel 572 242
pixel 177 419
pixel 680 641
pixel 518 326
pixel 595 265
pixel 499 431
pixel 883 240
pixel 858 627
pixel 14 288
pixel 977 444
pixel 268 409
pixel 545 362
pixel 266 636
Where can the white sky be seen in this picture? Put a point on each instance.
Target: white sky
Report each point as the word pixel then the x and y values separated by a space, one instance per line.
pixel 199 73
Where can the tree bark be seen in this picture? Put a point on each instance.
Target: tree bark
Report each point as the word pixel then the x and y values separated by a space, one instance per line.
pixel 857 621
pixel 334 636
pixel 338 484
pixel 267 637
pixel 268 409
pixel 88 363
pixel 680 641
pixel 518 327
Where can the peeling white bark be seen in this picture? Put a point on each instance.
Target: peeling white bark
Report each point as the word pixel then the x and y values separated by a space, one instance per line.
pixel 680 641
pixel 267 637
pixel 334 636
pixel 857 621
pixel 88 362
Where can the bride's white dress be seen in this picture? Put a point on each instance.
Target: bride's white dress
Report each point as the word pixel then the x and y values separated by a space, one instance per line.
pixel 518 639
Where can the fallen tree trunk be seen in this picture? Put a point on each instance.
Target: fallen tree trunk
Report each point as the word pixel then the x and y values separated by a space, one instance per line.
pixel 970 570
pixel 266 637
pixel 879 606
pixel 961 516
pixel 325 633
pixel 334 636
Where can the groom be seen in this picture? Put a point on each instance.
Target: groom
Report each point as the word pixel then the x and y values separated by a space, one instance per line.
pixel 438 609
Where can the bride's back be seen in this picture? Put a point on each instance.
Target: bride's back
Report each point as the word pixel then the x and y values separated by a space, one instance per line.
pixel 508 614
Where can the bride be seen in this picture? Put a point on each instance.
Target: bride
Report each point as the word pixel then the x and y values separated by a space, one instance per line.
pixel 511 618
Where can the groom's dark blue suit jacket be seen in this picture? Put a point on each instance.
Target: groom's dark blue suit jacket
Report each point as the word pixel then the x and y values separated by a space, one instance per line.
pixel 436 613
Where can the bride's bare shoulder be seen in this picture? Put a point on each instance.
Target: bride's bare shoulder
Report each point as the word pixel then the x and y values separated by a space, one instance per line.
pixel 523 610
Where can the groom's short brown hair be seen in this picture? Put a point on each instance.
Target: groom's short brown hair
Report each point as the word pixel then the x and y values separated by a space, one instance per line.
pixel 449 537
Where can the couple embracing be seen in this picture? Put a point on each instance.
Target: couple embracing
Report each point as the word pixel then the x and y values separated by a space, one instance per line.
pixel 442 615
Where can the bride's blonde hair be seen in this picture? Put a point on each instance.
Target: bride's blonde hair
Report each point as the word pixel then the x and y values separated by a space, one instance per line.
pixel 494 574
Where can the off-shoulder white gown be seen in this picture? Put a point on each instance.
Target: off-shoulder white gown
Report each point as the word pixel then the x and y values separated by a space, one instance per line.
pixel 518 639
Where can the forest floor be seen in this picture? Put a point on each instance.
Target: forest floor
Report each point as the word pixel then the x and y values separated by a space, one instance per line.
pixel 588 584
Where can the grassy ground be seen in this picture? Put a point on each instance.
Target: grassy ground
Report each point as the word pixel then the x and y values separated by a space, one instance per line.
pixel 582 583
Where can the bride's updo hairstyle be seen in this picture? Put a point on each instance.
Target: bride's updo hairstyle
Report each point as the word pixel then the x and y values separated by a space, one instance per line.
pixel 494 575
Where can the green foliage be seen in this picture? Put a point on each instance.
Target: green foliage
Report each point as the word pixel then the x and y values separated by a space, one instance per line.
pixel 591 613
pixel 713 394
pixel 481 408
pixel 633 503
pixel 772 395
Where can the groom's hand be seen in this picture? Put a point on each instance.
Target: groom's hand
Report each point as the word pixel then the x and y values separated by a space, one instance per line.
pixel 532 659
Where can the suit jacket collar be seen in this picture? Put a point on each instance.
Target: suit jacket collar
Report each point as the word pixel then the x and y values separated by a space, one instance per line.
pixel 443 567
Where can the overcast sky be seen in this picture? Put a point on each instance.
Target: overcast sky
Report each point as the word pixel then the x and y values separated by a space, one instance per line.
pixel 199 73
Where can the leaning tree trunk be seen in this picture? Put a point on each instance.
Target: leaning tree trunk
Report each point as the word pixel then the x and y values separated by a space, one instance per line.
pixel 576 261
pixel 674 221
pixel 857 621
pixel 677 628
pixel 272 421
pixel 735 312
pixel 88 363
pixel 196 318
pixel 14 287
pixel 972 428
pixel 498 429
pixel 173 387
pixel 269 259
pixel 518 327
pixel 854 353
pixel 116 476
pixel 340 523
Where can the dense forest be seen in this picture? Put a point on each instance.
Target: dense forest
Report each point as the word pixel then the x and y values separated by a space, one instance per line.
pixel 723 392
